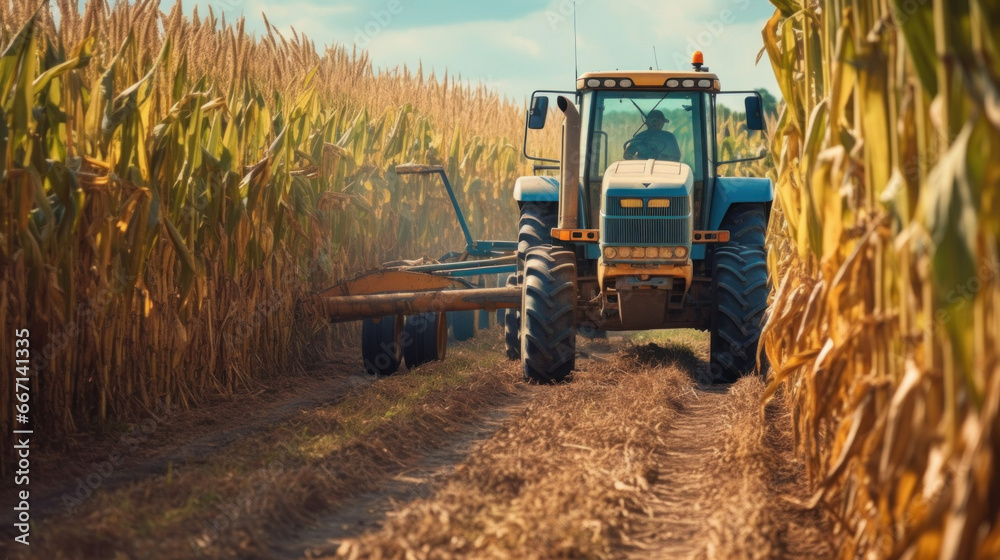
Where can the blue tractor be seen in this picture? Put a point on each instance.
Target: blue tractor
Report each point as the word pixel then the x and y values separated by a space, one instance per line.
pixel 640 230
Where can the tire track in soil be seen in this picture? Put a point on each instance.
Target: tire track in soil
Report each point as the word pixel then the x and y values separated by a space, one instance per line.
pixel 367 512
pixel 726 472
pixel 683 498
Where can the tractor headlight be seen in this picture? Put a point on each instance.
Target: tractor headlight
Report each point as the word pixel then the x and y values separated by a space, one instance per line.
pixel 625 252
pixel 639 252
pixel 610 252
pixel 666 252
pixel 680 252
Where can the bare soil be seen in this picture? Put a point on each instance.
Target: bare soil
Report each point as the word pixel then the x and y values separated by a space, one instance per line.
pixel 636 458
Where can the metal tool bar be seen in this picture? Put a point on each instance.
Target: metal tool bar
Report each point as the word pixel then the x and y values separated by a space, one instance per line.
pixel 499 269
pixel 350 308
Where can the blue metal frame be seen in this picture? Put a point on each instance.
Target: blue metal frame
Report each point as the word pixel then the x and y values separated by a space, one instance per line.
pixel 472 247
pixel 468 268
pixel 737 190
pixel 729 191
pixel 469 242
pixel 536 188
pixel 499 269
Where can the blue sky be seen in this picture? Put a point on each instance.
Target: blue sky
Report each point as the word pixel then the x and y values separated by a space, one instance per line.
pixel 517 46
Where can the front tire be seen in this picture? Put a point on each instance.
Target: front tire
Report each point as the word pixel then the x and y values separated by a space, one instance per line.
pixel 535 228
pixel 548 315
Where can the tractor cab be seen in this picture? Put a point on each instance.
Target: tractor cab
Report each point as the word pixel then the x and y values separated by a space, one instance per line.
pixel 635 123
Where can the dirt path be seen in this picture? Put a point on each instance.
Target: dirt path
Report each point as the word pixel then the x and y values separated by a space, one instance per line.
pixel 636 458
pixel 659 466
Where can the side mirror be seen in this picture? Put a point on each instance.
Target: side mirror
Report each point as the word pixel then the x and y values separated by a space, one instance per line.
pixel 539 110
pixel 755 116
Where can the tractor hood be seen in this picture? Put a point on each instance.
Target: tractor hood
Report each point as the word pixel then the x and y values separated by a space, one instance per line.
pixel 648 178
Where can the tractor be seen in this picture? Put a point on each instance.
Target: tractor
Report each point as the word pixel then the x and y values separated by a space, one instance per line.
pixel 639 230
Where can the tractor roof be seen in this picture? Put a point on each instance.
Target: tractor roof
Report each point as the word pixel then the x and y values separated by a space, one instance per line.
pixel 648 79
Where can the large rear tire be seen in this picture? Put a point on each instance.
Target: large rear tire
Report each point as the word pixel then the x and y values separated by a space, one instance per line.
pixel 548 315
pixel 739 287
pixel 512 327
pixel 382 344
pixel 425 338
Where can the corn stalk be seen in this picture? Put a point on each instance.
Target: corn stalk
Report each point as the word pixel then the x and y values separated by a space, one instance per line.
pixel 886 316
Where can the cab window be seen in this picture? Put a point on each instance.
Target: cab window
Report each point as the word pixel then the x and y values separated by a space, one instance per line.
pixel 643 125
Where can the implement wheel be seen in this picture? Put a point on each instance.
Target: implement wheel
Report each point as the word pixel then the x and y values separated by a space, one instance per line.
pixel 425 338
pixel 382 344
pixel 739 285
pixel 512 326
pixel 548 315
pixel 463 324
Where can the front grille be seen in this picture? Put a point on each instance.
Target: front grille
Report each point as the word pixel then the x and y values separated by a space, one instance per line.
pixel 647 226
pixel 647 231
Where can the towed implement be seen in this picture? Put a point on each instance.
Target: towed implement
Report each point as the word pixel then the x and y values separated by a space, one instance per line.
pixel 639 231
pixel 407 305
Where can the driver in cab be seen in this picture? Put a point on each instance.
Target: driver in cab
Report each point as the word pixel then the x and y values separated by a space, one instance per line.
pixel 654 142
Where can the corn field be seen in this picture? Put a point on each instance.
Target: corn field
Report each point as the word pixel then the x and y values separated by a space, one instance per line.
pixel 172 186
pixel 886 316
pixel 736 142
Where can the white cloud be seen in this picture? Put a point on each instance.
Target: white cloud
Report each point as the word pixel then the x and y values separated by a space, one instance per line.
pixel 536 50
pixel 524 45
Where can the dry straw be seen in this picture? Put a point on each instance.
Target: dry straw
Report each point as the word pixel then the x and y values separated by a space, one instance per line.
pixel 885 325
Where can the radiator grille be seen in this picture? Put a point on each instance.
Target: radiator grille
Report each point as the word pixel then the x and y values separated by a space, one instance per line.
pixel 647 226
pixel 647 231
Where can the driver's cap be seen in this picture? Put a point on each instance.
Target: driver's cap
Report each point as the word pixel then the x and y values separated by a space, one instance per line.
pixel 656 113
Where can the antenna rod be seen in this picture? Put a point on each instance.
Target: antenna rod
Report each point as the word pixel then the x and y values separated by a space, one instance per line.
pixel 654 58
pixel 576 59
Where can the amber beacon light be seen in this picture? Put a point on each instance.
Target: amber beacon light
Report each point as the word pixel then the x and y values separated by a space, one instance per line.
pixel 697 59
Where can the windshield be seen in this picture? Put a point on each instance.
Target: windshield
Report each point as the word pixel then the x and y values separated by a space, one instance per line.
pixel 645 125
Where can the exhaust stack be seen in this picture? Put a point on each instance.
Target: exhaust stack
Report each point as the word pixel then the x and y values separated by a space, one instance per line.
pixel 569 167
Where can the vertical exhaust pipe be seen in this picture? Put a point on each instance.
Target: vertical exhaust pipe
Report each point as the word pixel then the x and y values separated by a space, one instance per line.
pixel 569 167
